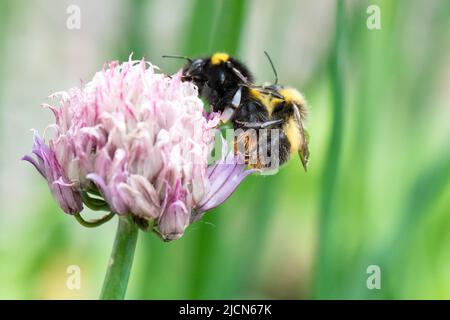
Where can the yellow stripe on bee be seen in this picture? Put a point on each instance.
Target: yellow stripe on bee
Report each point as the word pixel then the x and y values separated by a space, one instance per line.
pixel 267 100
pixel 219 57
pixel 293 134
pixel 292 95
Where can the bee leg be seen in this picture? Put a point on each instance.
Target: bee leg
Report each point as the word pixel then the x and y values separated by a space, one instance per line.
pixel 229 110
pixel 237 98
pixel 259 125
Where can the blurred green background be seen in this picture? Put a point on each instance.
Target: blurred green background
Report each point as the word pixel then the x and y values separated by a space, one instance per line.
pixel 378 188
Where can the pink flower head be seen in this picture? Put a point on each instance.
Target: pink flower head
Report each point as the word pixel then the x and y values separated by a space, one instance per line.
pixel 141 140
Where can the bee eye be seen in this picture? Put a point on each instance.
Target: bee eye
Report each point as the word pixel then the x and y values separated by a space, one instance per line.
pixel 222 77
pixel 197 65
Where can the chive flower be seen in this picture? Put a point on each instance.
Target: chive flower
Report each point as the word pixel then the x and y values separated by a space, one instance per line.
pixel 135 142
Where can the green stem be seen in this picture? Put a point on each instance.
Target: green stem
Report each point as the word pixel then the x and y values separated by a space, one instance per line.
pixel 93 223
pixel 121 260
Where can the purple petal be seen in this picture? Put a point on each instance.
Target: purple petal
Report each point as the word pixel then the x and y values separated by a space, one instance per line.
pixel 224 176
pixel 35 164
pixel 109 193
pixel 47 165
pixel 227 180
pixel 175 218
pixel 173 221
pixel 68 200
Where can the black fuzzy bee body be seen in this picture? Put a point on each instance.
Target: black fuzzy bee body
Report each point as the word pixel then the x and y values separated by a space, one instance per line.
pixel 218 78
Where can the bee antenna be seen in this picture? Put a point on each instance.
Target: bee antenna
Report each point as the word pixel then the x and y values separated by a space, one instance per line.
pixel 273 67
pixel 177 57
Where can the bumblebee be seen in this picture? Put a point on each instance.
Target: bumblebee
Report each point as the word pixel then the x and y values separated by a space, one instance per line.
pixel 286 111
pixel 227 84
pixel 219 79
pixel 272 107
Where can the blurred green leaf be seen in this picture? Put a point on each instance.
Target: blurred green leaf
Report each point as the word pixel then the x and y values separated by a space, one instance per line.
pixel 326 254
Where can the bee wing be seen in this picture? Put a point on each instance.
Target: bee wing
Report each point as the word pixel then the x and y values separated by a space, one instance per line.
pixel 304 150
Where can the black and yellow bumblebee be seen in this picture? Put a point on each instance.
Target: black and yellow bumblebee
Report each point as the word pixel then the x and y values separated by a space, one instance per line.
pixel 227 84
pixel 284 109
pixel 218 78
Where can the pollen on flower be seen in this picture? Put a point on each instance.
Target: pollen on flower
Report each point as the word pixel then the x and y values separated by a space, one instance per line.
pixel 140 140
